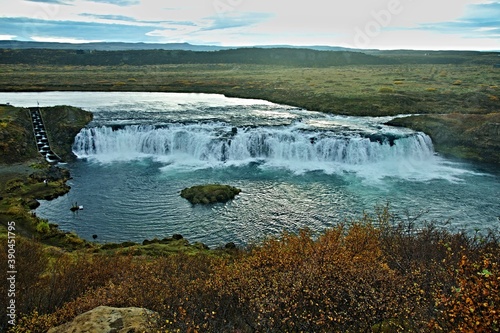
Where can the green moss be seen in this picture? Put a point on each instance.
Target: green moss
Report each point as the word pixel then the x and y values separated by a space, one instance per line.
pixel 386 90
pixel 156 248
pixel 210 193
pixel 43 227
pixel 17 142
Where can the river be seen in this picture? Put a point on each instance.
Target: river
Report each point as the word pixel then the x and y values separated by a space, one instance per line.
pixel 296 169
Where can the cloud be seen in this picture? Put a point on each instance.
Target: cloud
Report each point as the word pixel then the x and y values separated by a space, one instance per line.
pixel 236 20
pixel 134 21
pixel 27 29
pixel 451 23
pixel 57 2
pixel 109 17
pixel 121 3
pixel 7 37
pixel 479 21
pixel 63 40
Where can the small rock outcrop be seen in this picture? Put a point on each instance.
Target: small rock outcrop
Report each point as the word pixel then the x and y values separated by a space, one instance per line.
pixel 104 319
pixel 211 193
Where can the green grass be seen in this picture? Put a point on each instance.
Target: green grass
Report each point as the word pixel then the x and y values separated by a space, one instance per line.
pixel 354 90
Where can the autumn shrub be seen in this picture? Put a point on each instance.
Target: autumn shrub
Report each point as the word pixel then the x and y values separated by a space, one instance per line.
pixel 339 282
pixel 381 273
pixel 172 286
pixel 440 264
pixel 30 263
pixel 473 303
pixel 45 282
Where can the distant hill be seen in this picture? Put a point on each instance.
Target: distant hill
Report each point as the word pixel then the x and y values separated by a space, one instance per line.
pixel 311 47
pixel 117 46
pixel 439 57
pixel 112 54
pixel 104 46
pixel 261 56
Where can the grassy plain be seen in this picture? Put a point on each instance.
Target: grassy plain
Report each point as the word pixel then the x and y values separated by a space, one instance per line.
pixel 369 90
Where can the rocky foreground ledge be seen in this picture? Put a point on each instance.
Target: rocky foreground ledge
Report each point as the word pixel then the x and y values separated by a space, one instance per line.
pixel 105 319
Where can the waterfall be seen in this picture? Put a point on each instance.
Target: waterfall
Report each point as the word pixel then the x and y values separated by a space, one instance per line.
pixel 218 142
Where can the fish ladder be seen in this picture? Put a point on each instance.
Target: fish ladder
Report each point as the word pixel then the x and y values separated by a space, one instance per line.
pixel 41 138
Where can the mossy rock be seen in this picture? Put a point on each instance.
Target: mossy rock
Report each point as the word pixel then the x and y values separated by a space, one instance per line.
pixel 211 193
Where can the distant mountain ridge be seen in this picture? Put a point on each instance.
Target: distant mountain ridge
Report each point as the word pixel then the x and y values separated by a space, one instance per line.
pixel 260 56
pixel 112 54
pixel 121 46
pixel 107 46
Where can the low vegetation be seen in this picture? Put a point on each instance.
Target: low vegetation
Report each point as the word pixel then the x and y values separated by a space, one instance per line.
pixel 379 274
pixel 367 90
pixel 17 142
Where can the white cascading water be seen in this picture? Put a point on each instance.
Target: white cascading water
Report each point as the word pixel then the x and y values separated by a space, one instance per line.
pixel 216 143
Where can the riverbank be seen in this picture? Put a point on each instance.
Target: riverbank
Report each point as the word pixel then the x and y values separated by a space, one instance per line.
pixel 25 178
pixel 468 136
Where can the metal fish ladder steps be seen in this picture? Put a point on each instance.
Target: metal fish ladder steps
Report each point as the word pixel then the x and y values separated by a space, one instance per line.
pixel 41 138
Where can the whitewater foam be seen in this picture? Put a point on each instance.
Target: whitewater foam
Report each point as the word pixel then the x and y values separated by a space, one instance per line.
pixel 296 147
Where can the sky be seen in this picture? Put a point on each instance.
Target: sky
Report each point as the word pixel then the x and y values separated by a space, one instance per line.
pixel 380 24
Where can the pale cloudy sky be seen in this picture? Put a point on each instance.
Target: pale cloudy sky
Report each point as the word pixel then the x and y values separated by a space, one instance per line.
pixel 384 24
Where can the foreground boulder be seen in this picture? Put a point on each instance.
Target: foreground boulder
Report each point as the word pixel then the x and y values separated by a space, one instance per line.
pixel 105 319
pixel 211 193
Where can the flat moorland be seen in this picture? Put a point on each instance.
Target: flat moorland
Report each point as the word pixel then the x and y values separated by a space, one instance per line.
pixel 367 90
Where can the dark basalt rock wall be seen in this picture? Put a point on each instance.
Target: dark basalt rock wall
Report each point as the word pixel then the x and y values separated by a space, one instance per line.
pixel 470 136
pixel 63 123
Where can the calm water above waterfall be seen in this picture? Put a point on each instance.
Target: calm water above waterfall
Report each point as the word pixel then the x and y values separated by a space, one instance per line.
pixel 296 169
